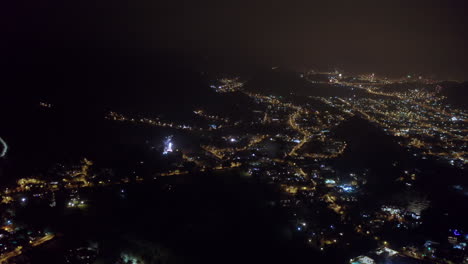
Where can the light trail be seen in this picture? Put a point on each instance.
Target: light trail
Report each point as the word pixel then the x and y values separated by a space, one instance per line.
pixel 5 148
pixel 306 134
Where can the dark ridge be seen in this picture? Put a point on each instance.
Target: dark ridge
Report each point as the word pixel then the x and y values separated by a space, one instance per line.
pixel 404 87
pixel 276 82
pixel 369 147
pixel 284 83
pixel 456 93
pixel 376 149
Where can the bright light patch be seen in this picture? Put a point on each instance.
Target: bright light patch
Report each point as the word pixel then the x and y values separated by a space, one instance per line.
pixel 329 181
pixel 347 188
pixel 168 145
pixel 5 148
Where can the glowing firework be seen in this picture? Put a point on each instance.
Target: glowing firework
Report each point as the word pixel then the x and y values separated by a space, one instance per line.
pixel 5 148
pixel 168 145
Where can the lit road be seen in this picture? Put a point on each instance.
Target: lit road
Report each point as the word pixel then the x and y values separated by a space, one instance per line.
pixel 6 256
pixel 295 126
pixel 42 240
pixel 18 250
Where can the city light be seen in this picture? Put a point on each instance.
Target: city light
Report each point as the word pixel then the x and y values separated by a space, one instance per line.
pixel 294 145
pixel 347 188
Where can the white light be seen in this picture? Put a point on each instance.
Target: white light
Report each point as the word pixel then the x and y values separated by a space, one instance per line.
pixel 23 200
pixel 168 145
pixel 330 181
pixel 347 188
pixel 5 148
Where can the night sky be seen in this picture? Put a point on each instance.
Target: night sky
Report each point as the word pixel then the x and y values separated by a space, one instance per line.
pixel 388 37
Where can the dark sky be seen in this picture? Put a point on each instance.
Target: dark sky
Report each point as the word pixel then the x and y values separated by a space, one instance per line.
pixel 391 37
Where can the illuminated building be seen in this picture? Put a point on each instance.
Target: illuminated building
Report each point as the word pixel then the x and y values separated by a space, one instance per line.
pixel 168 145
pixel 362 260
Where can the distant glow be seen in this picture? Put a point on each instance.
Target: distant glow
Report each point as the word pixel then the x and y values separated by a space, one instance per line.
pixel 347 188
pixel 23 199
pixel 454 118
pixel 391 210
pixel 233 140
pixel 362 259
pixel 168 145
pixel 390 252
pixel 415 216
pixel 5 148
pixel 329 181
pixel 461 246
pixel 455 232
pixel 130 259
